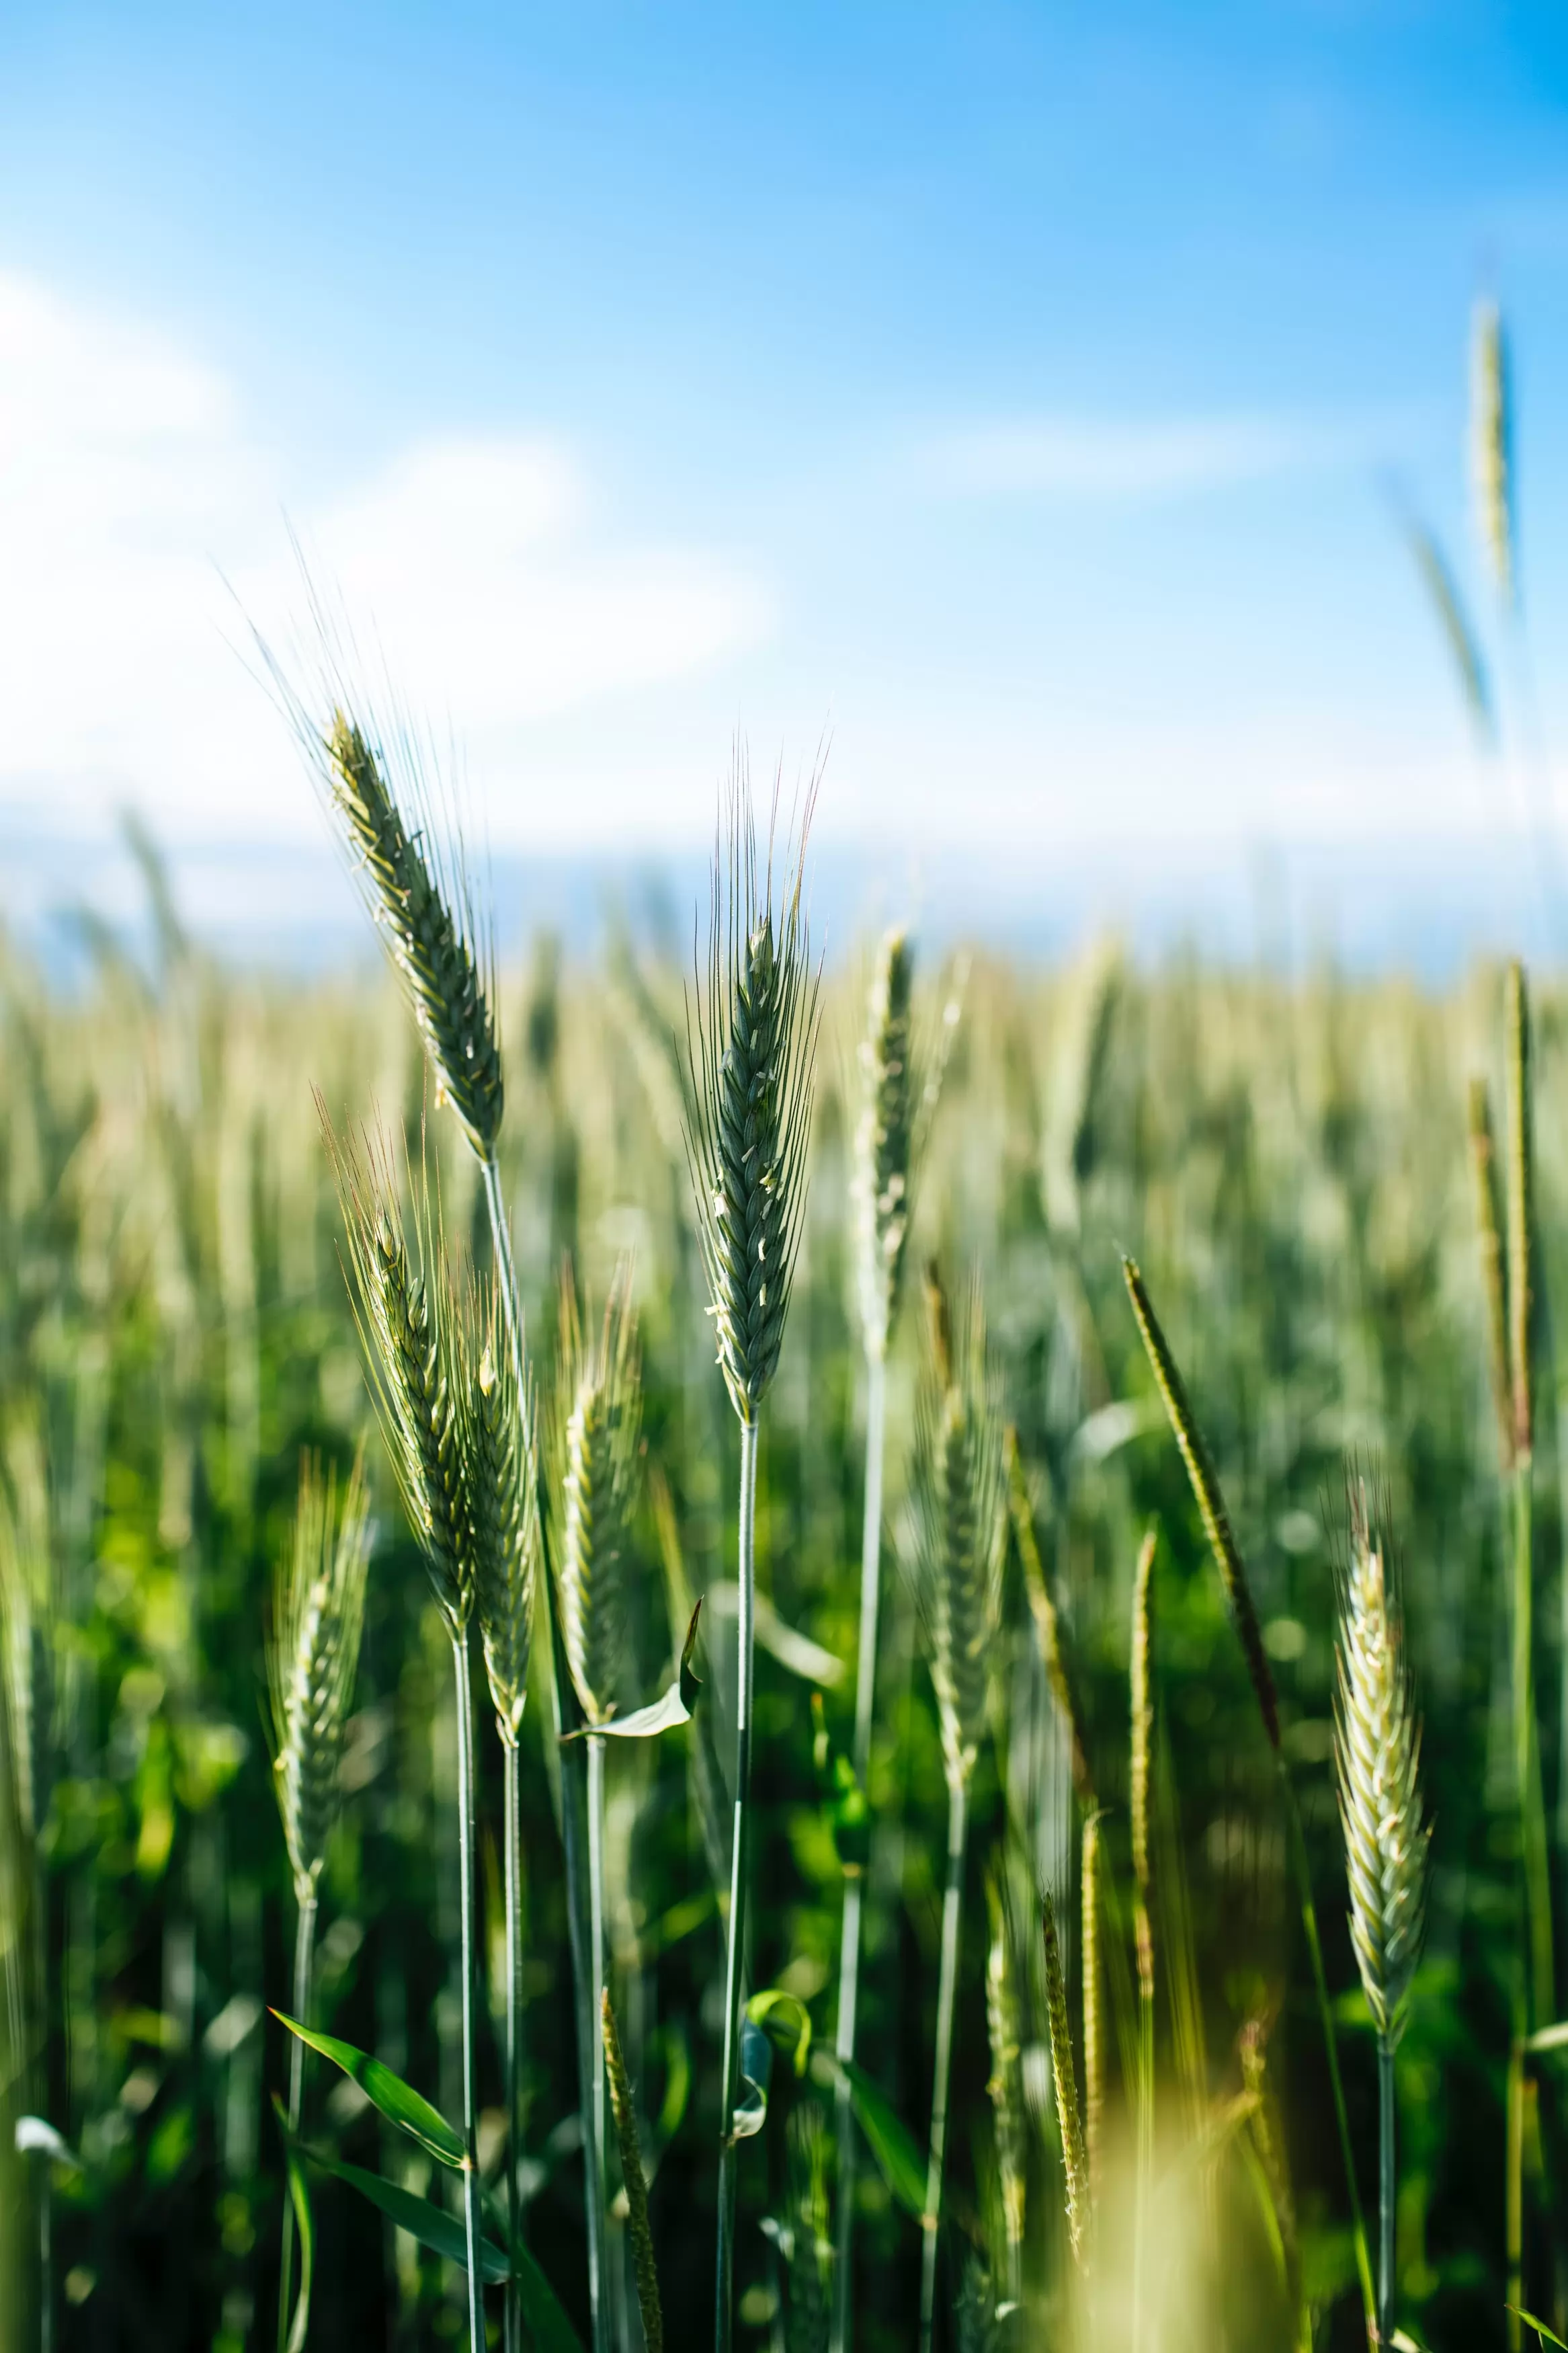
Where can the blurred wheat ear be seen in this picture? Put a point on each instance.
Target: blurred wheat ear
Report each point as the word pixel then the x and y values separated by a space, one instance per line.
pixel 599 1426
pixel 1075 2162
pixel 884 1140
pixel 1491 447
pixel 313 1657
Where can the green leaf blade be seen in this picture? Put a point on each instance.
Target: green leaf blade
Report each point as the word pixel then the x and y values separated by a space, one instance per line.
pixel 398 2102
pixel 434 2228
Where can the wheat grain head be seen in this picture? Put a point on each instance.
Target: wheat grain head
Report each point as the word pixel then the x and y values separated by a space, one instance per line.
pixel 313 1657
pixel 750 1118
pixel 884 1140
pixel 1378 1755
pixel 502 1480
pixel 959 1524
pixel 599 1413
pixel 1075 2162
pixel 1491 445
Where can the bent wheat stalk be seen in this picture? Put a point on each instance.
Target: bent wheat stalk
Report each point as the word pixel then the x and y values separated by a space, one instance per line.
pixel 749 1124
pixel 1205 1482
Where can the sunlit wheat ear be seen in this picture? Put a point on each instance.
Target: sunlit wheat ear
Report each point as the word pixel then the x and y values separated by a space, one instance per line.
pixel 1378 1755
pixel 1205 1482
pixel 312 1657
pixel 504 1493
pixel 1005 2086
pixel 413 1343
pixel 419 897
pixel 884 1140
pixel 1075 2162
pixel 1483 1169
pixel 1093 2007
pixel 27 1659
pixel 959 1524
pixel 1521 1211
pixel 751 1041
pixel 1491 445
pixel 599 1416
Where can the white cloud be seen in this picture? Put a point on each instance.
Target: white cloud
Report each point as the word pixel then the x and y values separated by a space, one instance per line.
pixel 1140 460
pixel 132 485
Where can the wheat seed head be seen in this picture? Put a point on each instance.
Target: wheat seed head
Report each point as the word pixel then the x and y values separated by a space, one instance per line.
pixel 884 1140
pixel 1003 2033
pixel 312 1657
pixel 413 1342
pixel 751 1043
pixel 501 1477
pixel 1377 1756
pixel 1075 2160
pixel 599 1416
pixel 394 807
pixel 1491 445
pixel 959 1523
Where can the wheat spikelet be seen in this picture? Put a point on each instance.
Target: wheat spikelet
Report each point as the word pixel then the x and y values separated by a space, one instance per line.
pixel 421 904
pixel 312 1657
pixel 600 1414
pixel 1491 445
pixel 1521 1211
pixel 1093 2008
pixel 502 1478
pixel 749 1114
pixel 1075 2163
pixel 959 1527
pixel 1377 1758
pixel 1483 1168
pixel 1205 1482
pixel 884 1140
pixel 413 1343
pixel 1004 2087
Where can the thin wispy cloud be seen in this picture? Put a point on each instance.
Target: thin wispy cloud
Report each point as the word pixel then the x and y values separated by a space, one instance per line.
pixel 1139 460
pixel 133 486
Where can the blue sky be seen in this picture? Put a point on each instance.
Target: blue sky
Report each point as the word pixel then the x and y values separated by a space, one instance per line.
pixel 1006 389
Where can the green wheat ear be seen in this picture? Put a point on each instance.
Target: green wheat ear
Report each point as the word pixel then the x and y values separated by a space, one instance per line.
pixel 884 1140
pixel 503 1478
pixel 413 1343
pixel 1492 449
pixel 959 1525
pixel 599 1429
pixel 312 1657
pixel 1377 1753
pixel 1075 2160
pixel 421 904
pixel 752 1052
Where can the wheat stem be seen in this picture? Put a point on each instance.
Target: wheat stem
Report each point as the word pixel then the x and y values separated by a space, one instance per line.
pixel 636 2185
pixel 304 1971
pixel 853 1883
pixel 512 1832
pixel 1385 2192
pixel 596 1747
pixel 947 1996
pixel 472 2226
pixel 1142 1714
pixel 734 1966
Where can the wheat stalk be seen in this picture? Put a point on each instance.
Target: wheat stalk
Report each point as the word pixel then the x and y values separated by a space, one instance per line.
pixel 750 1043
pixel 1483 1168
pixel 599 1413
pixel 1075 2161
pixel 880 1201
pixel 1377 1756
pixel 959 1526
pixel 312 1659
pixel 1047 1619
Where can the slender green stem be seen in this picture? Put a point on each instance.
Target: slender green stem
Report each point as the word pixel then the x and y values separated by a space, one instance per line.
pixel 1514 2178
pixel 1386 2190
pixel 947 1992
pixel 854 1883
pixel 304 1971
pixel 734 1970
pixel 567 1716
pixel 1143 2183
pixel 596 1747
pixel 513 1834
pixel 471 2231
pixel 1299 1863
pixel 1535 1865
